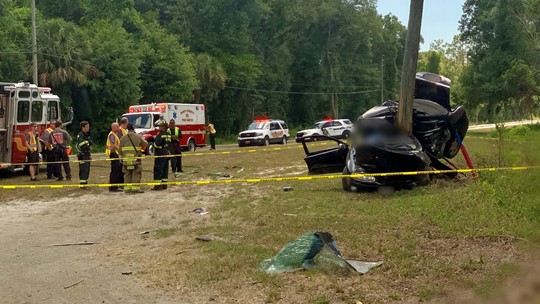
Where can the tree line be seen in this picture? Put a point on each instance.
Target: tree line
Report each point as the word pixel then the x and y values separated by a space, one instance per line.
pixel 298 60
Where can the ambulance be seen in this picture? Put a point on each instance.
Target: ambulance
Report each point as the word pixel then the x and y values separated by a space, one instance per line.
pixel 21 104
pixel 190 118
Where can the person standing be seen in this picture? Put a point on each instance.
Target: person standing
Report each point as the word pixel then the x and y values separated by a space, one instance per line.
pixel 161 151
pixel 84 146
pixel 211 131
pixel 33 149
pixel 122 130
pixel 60 139
pixel 176 149
pixel 48 150
pixel 112 151
pixel 131 146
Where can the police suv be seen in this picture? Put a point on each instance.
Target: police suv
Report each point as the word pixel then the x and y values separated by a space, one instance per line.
pixel 264 132
pixel 337 128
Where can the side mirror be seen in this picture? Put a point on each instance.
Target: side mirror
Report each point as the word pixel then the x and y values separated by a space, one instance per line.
pixel 69 117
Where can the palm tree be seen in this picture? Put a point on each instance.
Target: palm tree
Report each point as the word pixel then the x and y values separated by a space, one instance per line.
pixel 211 77
pixel 63 48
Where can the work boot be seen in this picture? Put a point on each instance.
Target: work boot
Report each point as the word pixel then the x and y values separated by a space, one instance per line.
pixel 158 187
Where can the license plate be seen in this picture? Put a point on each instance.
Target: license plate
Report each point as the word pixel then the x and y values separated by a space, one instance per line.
pixel 247 142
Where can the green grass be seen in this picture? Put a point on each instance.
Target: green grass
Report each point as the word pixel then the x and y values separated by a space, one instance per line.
pixel 469 234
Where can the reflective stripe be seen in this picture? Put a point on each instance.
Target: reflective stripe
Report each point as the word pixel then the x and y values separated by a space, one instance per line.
pixel 82 143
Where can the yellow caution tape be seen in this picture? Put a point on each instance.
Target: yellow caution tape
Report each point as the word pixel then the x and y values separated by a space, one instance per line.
pixel 271 179
pixel 167 156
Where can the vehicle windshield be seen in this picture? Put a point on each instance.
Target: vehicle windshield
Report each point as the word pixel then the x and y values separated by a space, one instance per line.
pixel 141 121
pixel 318 125
pixel 257 125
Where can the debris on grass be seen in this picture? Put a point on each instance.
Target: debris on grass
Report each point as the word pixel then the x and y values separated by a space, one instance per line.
pixel 287 189
pixel 314 250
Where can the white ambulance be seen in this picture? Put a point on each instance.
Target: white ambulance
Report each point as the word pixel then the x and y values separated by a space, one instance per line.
pixel 190 118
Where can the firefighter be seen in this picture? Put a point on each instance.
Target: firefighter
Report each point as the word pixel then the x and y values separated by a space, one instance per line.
pixel 84 145
pixel 161 148
pixel 33 149
pixel 60 140
pixel 131 146
pixel 176 149
pixel 111 150
pixel 48 150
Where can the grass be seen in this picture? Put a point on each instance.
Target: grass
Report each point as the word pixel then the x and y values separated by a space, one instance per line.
pixel 435 241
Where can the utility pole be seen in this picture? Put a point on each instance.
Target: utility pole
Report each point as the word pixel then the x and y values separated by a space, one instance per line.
pixel 34 45
pixel 408 73
pixel 382 78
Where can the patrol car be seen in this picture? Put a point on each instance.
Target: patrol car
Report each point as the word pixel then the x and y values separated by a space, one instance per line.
pixel 337 128
pixel 264 132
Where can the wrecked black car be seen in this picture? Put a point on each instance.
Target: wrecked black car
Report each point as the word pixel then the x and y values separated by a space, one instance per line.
pixel 376 146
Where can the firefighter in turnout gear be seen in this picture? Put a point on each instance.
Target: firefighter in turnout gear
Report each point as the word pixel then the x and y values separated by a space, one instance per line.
pixel 176 149
pixel 48 150
pixel 131 146
pixel 84 145
pixel 161 148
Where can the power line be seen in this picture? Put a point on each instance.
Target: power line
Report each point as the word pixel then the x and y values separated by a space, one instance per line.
pixel 304 93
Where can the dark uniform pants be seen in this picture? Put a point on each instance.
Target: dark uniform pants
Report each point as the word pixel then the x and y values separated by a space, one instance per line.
pixel 161 168
pixel 49 157
pixel 84 168
pixel 116 176
pixel 212 141
pixel 60 155
pixel 176 162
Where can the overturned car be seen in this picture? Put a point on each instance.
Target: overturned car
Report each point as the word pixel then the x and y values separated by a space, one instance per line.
pixel 377 146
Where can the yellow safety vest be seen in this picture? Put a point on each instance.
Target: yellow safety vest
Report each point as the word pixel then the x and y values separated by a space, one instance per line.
pixel 108 146
pixel 33 141
pixel 124 131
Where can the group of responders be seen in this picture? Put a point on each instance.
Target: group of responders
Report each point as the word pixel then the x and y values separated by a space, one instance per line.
pixel 270 179
pixel 189 154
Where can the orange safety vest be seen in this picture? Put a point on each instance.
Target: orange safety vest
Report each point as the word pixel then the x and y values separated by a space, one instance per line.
pixel 108 146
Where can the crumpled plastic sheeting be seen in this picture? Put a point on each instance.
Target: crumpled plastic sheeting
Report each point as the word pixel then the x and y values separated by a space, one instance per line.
pixel 314 250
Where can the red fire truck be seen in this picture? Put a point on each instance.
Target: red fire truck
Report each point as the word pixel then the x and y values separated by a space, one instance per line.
pixel 21 104
pixel 190 118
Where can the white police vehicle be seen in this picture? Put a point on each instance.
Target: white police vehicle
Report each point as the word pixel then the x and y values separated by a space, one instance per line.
pixel 264 132
pixel 337 128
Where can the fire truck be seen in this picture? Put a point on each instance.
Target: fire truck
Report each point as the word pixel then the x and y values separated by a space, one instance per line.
pixel 21 104
pixel 190 118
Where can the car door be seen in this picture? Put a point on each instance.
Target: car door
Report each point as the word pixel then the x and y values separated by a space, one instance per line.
pixel 276 133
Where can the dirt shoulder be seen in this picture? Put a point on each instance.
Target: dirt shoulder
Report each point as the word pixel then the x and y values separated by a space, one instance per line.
pixel 35 271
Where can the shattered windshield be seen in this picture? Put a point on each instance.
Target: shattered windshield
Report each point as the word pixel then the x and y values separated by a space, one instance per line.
pixel 141 121
pixel 257 125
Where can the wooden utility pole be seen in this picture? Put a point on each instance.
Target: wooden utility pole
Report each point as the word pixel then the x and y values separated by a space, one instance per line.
pixel 34 45
pixel 408 73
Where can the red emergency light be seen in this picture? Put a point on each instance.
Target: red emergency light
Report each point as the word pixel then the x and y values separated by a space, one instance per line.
pixel 131 110
pixel 262 119
pixel 328 118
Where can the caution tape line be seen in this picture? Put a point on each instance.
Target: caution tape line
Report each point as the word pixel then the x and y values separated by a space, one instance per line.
pixel 271 179
pixel 167 156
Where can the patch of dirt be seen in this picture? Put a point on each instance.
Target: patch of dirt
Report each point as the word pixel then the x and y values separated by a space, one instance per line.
pixel 35 271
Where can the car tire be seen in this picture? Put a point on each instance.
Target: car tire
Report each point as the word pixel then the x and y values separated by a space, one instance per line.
pixel 240 145
pixel 284 140
pixel 150 149
pixel 315 138
pixel 346 182
pixel 346 134
pixel 191 147
pixel 266 141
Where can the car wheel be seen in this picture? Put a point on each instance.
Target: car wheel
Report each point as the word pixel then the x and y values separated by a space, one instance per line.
pixel 346 134
pixel 191 145
pixel 266 141
pixel 284 140
pixel 240 145
pixel 150 149
pixel 315 138
pixel 346 182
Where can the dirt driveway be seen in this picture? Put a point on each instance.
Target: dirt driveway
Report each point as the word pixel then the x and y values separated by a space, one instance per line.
pixel 33 270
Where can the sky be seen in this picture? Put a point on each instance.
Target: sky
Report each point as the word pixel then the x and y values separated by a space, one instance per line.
pixel 440 19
